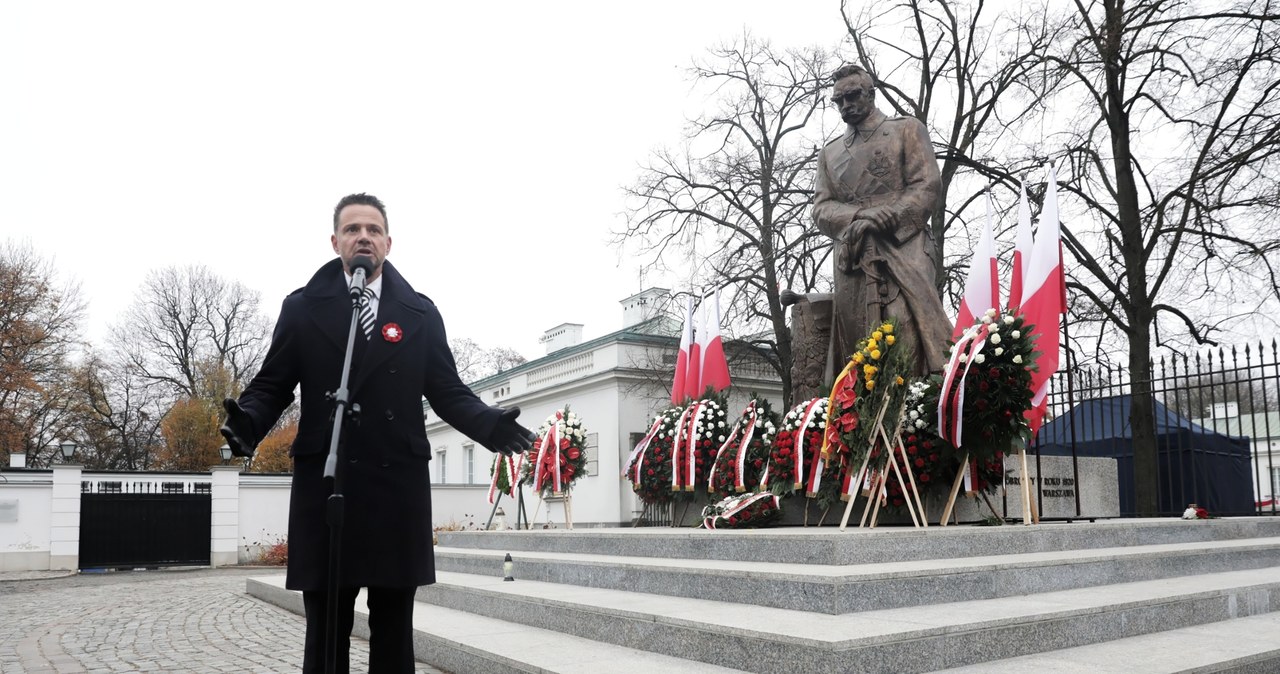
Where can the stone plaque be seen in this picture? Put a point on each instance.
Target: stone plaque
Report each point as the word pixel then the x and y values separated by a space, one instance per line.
pixel 8 510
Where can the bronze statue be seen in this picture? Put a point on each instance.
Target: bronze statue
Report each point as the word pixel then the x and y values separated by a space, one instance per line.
pixel 876 187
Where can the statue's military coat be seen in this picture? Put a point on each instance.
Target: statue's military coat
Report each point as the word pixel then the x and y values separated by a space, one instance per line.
pixel 883 162
pixel 387 534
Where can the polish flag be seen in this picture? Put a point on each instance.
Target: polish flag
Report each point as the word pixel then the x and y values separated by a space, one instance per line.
pixel 715 369
pixel 1044 300
pixel 678 392
pixel 982 288
pixel 1021 251
pixel 693 371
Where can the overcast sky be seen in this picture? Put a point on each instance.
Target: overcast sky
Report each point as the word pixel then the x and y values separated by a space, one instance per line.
pixel 138 135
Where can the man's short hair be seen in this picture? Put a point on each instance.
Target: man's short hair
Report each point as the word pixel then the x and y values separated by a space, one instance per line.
pixel 360 199
pixel 848 70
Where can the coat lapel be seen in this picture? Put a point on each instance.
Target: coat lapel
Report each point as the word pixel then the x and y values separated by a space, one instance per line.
pixel 328 304
pixel 400 306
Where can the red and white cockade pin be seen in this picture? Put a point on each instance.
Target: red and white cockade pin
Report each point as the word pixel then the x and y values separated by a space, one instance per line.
pixel 392 332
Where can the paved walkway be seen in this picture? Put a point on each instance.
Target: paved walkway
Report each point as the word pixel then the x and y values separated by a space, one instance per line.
pixel 197 620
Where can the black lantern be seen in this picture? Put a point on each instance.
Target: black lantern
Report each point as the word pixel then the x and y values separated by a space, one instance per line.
pixel 225 450
pixel 68 450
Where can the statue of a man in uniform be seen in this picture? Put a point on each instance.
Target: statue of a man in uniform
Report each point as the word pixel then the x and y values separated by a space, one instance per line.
pixel 877 186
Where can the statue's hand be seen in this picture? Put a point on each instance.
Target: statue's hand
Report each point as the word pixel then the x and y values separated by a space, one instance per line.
pixel 884 217
pixel 852 242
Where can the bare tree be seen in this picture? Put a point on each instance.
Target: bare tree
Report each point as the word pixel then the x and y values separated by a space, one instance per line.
pixel 476 362
pixel 739 189
pixel 38 331
pixel 189 322
pixel 1173 150
pixel 118 414
pixel 965 72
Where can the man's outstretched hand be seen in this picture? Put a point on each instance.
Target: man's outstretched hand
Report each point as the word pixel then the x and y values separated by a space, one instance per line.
pixel 508 436
pixel 237 429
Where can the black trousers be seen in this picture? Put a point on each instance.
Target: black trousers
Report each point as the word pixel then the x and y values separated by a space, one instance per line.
pixel 390 630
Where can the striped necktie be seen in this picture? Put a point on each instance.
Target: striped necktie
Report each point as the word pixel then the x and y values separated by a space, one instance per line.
pixel 366 312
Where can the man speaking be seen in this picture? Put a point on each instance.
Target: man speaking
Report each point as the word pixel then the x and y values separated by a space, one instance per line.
pixel 401 354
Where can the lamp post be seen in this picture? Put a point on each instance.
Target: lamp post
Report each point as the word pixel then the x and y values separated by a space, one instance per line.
pixel 225 450
pixel 68 450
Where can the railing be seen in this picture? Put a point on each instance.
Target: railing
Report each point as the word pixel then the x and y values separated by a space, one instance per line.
pixel 91 483
pixel 1217 414
pixel 562 370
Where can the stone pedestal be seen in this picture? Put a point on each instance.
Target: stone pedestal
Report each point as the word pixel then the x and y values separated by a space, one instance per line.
pixel 1098 487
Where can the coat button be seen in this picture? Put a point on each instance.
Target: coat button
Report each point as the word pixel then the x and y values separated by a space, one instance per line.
pixel 390 415
pixel 392 370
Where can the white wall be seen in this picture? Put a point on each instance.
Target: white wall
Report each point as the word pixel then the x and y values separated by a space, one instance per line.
pixel 25 544
pixel 264 513
pixel 261 513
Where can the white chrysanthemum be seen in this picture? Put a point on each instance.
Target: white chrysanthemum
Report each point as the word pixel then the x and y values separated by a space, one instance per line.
pixel 995 338
pixel 1017 334
pixel 914 414
pixel 986 320
pixel 1008 320
pixel 991 312
pixel 963 358
pixel 980 358
pixel 720 438
pixel 999 350
pixel 1017 359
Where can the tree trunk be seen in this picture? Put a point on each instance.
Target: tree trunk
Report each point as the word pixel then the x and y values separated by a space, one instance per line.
pixel 1142 422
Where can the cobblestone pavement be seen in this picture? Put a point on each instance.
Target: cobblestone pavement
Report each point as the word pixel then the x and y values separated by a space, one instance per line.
pixel 198 620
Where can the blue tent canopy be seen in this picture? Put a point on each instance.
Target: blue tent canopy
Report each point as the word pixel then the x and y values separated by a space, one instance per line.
pixel 1197 464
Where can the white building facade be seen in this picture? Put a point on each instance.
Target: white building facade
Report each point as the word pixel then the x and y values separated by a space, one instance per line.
pixel 615 384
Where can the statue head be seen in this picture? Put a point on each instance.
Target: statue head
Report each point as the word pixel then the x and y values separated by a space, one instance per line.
pixel 853 93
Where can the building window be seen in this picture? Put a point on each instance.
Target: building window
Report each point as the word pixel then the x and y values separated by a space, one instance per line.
pixel 469 462
pixel 441 465
pixel 1275 482
pixel 593 454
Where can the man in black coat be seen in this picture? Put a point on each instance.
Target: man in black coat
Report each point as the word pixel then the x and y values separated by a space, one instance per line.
pixel 386 538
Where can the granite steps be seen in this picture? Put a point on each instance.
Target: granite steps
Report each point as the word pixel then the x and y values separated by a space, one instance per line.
pixel 818 599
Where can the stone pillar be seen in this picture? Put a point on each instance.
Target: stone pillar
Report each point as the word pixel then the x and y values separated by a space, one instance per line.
pixel 224 532
pixel 811 347
pixel 64 520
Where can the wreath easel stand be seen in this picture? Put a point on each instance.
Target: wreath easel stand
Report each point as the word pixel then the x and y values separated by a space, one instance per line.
pixel 565 497
pixel 895 448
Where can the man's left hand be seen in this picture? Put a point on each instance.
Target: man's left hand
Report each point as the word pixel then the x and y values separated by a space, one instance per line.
pixel 509 437
pixel 884 217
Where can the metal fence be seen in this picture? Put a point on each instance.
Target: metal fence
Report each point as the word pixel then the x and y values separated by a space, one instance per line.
pixel 1217 419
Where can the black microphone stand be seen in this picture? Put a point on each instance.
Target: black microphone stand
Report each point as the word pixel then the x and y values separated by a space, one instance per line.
pixel 335 507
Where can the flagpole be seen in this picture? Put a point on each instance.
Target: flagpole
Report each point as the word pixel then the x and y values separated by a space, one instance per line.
pixel 1071 401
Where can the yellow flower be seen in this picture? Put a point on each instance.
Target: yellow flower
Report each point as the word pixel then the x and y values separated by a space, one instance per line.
pixel 873 345
pixel 877 335
pixel 869 370
pixel 887 328
pixel 875 355
pixel 899 381
pixel 857 358
pixel 871 383
pixel 889 340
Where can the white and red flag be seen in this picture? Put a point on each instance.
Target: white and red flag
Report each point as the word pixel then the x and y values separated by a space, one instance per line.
pixel 679 384
pixel 693 376
pixel 1044 300
pixel 982 287
pixel 714 367
pixel 1021 251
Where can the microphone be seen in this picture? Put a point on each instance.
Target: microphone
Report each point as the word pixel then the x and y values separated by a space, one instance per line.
pixel 361 267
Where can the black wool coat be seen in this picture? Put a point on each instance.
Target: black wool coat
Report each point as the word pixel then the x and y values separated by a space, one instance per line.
pixel 386 539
